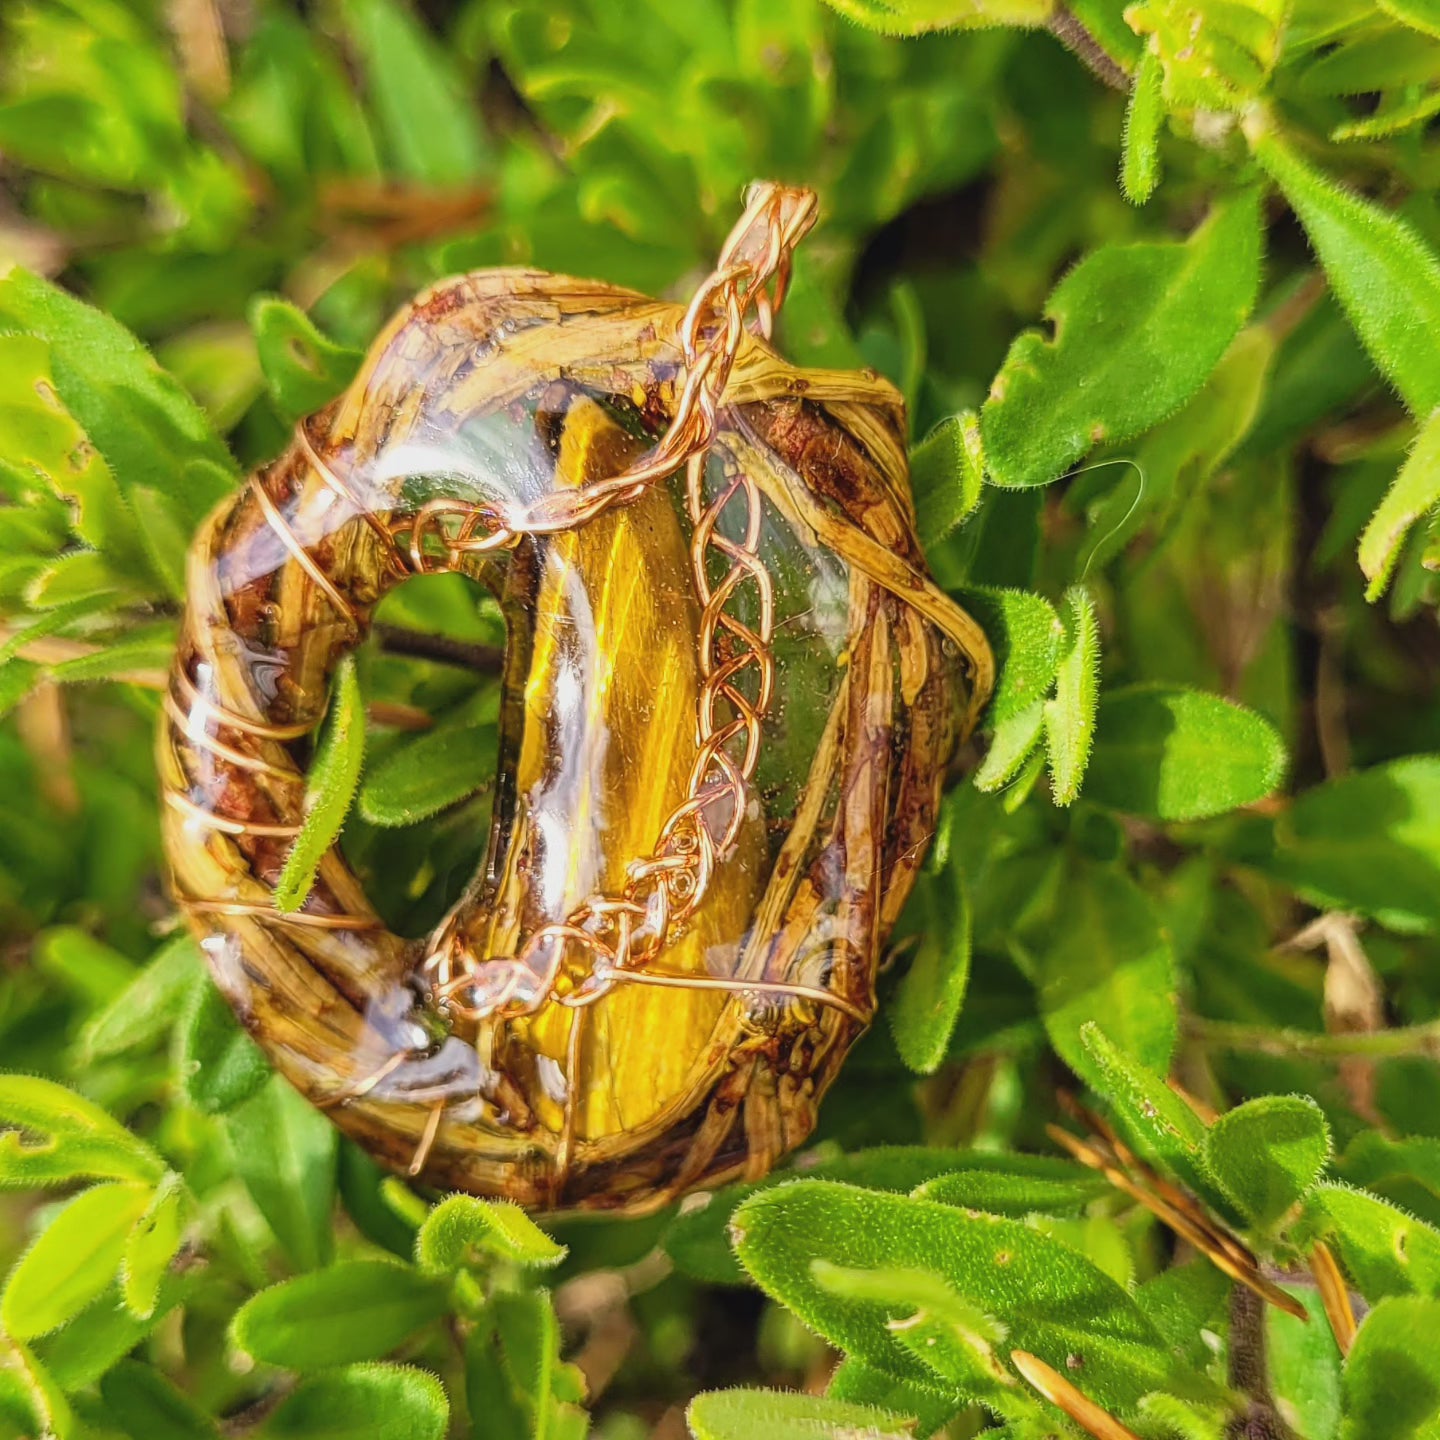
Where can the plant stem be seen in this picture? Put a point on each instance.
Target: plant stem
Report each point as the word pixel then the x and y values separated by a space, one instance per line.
pixel 1071 32
pixel 1249 1371
pixel 395 640
pixel 1403 1040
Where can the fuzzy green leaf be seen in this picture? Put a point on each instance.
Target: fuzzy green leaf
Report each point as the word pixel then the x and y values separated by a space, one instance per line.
pixel 1383 1250
pixel 1368 841
pixel 1385 275
pixel 1026 635
pixel 303 367
pixel 860 1384
pixel 1055 1302
pixel 354 1310
pixel 1017 1185
pixel 947 476
pixel 1173 754
pixel 380 1402
pixel 427 773
pixel 928 999
pixel 1392 1374
pixel 53 1135
pixel 74 1259
pixel 781 1415
pixel 1013 742
pixel 151 1245
pixel 218 1065
pixel 1165 1128
pixel 146 1406
pixel 1267 1153
pixel 148 1005
pixel 919 17
pixel 284 1151
pixel 1415 492
pixel 698 1239
pixel 1138 329
pixel 1109 963
pixel 1140 147
pixel 1070 715
pixel 463 1226
pixel 1422 15
pixel 329 788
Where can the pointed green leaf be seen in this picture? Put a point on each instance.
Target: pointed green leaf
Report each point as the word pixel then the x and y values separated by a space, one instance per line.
pixel 783 1415
pixel 1422 15
pixel 329 788
pixel 1140 147
pixel 147 1007
pixel 1169 753
pixel 427 773
pixel 74 1259
pixel 354 1310
pixel 1017 1185
pixel 1416 491
pixel 151 1244
pixel 1070 716
pixel 1386 276
pixel 1138 329
pixel 1013 743
pixel 1026 635
pixel 927 1001
pixel 1383 1250
pixel 218 1065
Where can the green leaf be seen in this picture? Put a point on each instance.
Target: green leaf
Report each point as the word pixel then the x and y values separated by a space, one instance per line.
pixel 284 1151
pixel 92 970
pixel 947 476
pixel 148 1005
pixel 1392 1375
pixel 1215 57
pixel 782 1415
pixel 1026 635
pixel 1174 754
pixel 1165 1128
pixel 354 1310
pixel 1108 963
pixel 146 1406
pixel 1054 1302
pixel 1070 716
pixel 1140 147
pixel 1386 277
pixel 1138 329
pixel 927 1001
pixel 918 17
pixel 329 788
pixel 859 1384
pixel 74 1259
pixel 1422 15
pixel 138 417
pixel 1268 1153
pixel 698 1239
pixel 380 1402
pixel 1013 743
pixel 218 1065
pixel 1305 1366
pixel 82 1350
pixel 54 1136
pixel 431 130
pixel 151 1244
pixel 1368 842
pixel 304 368
pixel 1383 1250
pixel 427 773
pixel 1415 492
pixel 462 1229
pixel 47 1402
pixel 1017 1185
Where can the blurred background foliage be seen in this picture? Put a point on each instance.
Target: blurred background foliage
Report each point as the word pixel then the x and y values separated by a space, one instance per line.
pixel 1159 284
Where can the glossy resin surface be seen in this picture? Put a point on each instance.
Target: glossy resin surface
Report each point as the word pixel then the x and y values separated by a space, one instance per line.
pixel 587 1087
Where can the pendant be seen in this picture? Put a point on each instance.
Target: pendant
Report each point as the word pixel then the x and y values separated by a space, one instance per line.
pixel 731 691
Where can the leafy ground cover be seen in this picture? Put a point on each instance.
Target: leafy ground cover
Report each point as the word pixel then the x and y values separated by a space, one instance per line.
pixel 1150 1142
